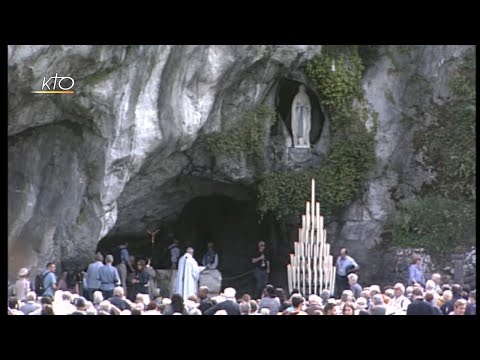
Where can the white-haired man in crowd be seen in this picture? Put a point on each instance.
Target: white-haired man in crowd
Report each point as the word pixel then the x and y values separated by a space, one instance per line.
pixel 314 304
pixel 378 306
pixel 437 278
pixel 64 307
pixel 430 286
pixel 244 308
pixel 30 305
pixel 354 285
pixel 399 304
pixel 229 305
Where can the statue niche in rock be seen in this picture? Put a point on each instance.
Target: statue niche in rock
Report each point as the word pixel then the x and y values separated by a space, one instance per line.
pixel 301 118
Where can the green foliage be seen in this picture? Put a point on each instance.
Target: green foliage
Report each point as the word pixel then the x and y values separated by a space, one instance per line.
pixel 341 175
pixel 283 191
pixel 351 152
pixel 434 223
pixel 449 144
pixel 247 136
pixel 445 217
pixel 337 88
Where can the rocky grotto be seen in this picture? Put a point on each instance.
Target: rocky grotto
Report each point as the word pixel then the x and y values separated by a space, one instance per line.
pixel 184 139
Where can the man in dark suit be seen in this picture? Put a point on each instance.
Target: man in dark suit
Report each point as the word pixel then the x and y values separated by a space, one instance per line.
pixel 419 306
pixel 229 305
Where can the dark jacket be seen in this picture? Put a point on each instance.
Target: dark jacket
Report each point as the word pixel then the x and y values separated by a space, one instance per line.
pixel 447 307
pixel 231 307
pixel 420 307
pixel 205 304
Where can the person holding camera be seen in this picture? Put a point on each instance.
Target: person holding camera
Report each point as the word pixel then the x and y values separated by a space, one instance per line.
pixel 262 269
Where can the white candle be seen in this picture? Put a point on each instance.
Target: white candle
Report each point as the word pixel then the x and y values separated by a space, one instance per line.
pixel 333 281
pixel 294 269
pixel 317 216
pixel 299 271
pixel 303 277
pixel 309 279
pixel 308 217
pixel 320 275
pixel 303 221
pixel 289 275
pixel 313 193
pixel 295 245
pixel 312 237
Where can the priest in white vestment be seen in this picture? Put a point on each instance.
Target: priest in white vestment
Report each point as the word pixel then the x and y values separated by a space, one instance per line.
pixel 188 274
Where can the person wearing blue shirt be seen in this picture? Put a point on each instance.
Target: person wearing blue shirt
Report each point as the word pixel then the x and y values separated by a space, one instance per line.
pixel 93 284
pixel 49 280
pixel 344 266
pixel 108 277
pixel 415 272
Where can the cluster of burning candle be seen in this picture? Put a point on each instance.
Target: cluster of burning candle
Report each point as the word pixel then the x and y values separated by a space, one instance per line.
pixel 311 267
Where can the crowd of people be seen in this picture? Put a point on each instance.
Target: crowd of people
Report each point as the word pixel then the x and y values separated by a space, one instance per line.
pixel 129 289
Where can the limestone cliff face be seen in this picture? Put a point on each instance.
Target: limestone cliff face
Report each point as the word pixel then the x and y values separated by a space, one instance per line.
pixel 123 152
pixel 136 110
pixel 401 87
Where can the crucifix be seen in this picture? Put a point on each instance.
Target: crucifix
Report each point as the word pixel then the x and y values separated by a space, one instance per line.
pixel 152 235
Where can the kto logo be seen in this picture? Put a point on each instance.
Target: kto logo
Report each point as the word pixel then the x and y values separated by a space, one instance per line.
pixel 64 83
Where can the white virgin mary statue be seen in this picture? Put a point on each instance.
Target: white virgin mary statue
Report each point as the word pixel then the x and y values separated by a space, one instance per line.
pixel 301 118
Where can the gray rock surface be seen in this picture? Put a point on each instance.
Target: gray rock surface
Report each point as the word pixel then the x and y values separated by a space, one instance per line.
pixel 125 151
pixel 400 87
pixel 77 162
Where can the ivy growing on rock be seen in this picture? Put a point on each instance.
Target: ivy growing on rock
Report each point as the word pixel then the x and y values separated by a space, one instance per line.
pixel 351 152
pixel 246 136
pixel 444 215
pixel 434 223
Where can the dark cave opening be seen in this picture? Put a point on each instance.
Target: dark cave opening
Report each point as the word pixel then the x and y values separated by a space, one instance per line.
pixel 232 225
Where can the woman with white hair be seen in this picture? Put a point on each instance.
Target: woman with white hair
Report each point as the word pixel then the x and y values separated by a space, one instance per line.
pixel 97 299
pixel 22 285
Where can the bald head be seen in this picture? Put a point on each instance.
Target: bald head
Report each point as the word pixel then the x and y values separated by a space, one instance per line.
pixel 190 250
